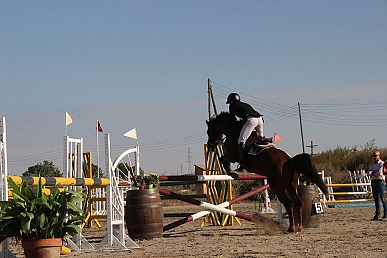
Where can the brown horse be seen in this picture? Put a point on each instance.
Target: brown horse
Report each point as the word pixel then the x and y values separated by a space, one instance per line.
pixel 281 170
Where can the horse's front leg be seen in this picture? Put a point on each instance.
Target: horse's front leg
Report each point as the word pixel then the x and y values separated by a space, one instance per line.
pixel 227 166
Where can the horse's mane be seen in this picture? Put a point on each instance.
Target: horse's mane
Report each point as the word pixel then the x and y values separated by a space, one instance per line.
pixel 223 116
pixel 226 117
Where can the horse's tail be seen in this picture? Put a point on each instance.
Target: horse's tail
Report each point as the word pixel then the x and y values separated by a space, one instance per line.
pixel 303 164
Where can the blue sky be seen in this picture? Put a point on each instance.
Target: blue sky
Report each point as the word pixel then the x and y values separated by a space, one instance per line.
pixel 145 65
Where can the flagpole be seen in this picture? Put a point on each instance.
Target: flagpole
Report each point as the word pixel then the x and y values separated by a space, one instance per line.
pixel 96 130
pixel 137 157
pixel 133 134
pixel 66 124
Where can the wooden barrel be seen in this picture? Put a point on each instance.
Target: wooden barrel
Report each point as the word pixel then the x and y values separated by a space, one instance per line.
pixel 309 196
pixel 144 214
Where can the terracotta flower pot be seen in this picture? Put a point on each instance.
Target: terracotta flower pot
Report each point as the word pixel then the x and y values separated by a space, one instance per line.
pixel 42 248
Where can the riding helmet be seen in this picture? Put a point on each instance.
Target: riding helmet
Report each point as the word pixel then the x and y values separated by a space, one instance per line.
pixel 233 97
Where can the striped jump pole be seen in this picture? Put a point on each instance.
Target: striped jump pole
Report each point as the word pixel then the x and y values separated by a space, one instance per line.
pixel 365 193
pixel 205 178
pixel 349 201
pixel 348 193
pixel 53 181
pixel 47 191
pixel 211 207
pixel 352 184
pixel 205 205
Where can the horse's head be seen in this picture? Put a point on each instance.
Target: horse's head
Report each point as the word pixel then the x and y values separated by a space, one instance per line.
pixel 214 136
pixel 216 127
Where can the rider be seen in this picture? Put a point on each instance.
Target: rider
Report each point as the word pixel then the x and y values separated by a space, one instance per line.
pixel 252 120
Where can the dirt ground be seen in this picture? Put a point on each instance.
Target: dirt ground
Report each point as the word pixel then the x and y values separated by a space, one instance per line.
pixel 343 232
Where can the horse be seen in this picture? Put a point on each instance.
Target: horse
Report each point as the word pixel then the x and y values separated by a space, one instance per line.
pixel 281 170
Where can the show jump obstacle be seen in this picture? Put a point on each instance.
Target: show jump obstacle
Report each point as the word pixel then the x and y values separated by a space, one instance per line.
pixel 219 193
pixel 111 204
pixel 73 169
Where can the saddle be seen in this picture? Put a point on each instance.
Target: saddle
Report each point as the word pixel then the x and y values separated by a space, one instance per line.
pixel 256 143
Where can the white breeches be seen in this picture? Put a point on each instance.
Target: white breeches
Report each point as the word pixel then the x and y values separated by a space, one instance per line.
pixel 251 123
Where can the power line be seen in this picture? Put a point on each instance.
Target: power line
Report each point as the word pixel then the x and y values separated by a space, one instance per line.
pixel 145 147
pixel 342 114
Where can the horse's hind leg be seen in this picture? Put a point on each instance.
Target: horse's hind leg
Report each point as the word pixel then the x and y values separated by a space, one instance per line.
pixel 298 205
pixel 289 209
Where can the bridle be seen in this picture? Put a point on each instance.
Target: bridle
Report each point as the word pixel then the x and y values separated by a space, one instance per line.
pixel 219 139
pixel 217 142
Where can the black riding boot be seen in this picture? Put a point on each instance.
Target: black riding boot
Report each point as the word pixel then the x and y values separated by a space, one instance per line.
pixel 242 157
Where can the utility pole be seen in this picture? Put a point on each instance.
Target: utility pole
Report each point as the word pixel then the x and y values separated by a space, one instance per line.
pixel 302 133
pixel 312 147
pixel 210 99
pixel 189 162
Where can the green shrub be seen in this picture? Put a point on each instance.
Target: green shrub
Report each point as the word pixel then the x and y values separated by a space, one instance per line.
pixel 339 162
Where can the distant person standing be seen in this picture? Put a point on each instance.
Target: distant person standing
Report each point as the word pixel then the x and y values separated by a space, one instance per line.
pixel 378 185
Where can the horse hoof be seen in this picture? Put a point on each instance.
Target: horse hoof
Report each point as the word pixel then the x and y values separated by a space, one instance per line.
pixel 234 175
pixel 291 230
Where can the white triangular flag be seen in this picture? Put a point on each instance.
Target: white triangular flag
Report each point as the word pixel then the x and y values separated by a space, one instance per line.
pixel 68 119
pixel 131 134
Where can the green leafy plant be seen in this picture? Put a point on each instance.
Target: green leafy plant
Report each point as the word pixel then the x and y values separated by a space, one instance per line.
pixel 138 180
pixel 34 215
pixel 152 178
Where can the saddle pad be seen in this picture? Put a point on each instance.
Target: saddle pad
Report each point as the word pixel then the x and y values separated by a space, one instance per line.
pixel 256 149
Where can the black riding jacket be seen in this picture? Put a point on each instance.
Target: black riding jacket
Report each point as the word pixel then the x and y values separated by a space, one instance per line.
pixel 242 110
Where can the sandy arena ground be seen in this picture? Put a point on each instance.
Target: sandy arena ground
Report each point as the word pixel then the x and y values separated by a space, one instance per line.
pixel 343 232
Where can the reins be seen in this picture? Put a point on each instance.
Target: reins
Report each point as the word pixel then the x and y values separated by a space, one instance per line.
pixel 221 140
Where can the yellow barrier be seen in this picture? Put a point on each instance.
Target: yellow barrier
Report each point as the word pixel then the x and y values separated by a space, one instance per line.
pixel 63 181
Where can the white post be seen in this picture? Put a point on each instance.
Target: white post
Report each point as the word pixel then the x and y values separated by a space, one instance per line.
pixel 66 157
pixel 115 207
pixel 73 168
pixel 137 159
pixel 108 165
pixel 5 252
pixel 3 161
pixel 73 149
pixel 267 208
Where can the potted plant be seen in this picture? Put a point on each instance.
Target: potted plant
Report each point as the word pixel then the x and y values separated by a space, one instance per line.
pixel 152 179
pixel 37 219
pixel 138 180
